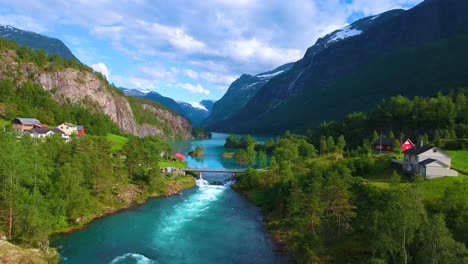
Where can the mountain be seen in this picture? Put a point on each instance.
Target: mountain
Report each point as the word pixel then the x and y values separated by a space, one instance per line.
pixel 196 113
pixel 417 52
pixel 240 92
pixel 36 41
pixel 60 85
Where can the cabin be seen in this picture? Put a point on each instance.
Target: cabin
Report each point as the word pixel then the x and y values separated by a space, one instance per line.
pixel 407 145
pixel 431 162
pixel 179 156
pixel 25 124
pixel 383 145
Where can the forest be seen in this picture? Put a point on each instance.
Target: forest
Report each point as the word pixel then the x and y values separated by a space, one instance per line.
pixel 328 198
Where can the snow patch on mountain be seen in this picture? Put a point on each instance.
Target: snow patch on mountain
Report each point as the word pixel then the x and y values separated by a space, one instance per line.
pixel 271 75
pixel 343 33
pixel 198 106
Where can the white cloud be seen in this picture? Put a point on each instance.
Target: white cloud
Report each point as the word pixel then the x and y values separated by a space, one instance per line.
pixel 193 88
pixel 23 22
pixel 102 68
pixel 209 42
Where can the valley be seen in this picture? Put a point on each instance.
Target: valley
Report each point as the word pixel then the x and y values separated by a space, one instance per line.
pixel 222 132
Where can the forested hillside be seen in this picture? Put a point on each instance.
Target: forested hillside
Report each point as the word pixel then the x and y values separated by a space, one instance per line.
pixel 328 198
pixel 57 90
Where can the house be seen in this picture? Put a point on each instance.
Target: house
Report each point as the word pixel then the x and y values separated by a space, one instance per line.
pixel 407 145
pixel 383 145
pixel 68 128
pixel 25 124
pixel 43 132
pixel 179 156
pixel 80 130
pixel 431 162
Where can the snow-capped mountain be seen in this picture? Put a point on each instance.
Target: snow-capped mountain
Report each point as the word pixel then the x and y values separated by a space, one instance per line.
pixel 240 92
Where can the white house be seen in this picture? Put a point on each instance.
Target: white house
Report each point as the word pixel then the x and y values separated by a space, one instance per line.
pixel 431 162
pixel 68 128
pixel 47 132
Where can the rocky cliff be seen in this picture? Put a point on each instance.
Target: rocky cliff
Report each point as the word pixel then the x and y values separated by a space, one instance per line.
pixel 84 87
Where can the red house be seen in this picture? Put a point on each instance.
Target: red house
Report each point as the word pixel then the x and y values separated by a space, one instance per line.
pixel 407 145
pixel 179 156
pixel 383 145
pixel 80 130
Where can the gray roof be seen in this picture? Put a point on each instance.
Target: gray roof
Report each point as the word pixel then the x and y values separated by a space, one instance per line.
pixel 427 161
pixel 417 149
pixel 45 130
pixel 28 121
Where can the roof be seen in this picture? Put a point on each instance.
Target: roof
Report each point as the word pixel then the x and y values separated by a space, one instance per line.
pixel 416 150
pixel 41 130
pixel 69 124
pixel 28 121
pixel 429 161
pixel 45 130
pixel 385 141
pixel 180 156
pixel 79 127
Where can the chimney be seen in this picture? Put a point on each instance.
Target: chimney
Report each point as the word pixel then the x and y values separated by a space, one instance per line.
pixel 422 143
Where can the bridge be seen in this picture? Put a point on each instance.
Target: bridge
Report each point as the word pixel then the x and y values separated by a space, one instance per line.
pixel 214 170
pixel 200 171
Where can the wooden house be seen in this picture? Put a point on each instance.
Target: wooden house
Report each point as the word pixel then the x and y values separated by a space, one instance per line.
pixel 25 124
pixel 383 145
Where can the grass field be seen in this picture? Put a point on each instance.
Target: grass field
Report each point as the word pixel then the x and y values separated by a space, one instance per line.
pixel 175 164
pixel 460 160
pixel 4 122
pixel 117 141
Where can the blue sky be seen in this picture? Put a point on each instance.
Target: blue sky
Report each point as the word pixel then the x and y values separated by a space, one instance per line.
pixel 187 50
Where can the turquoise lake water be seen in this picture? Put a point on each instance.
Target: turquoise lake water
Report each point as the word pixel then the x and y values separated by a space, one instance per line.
pixel 206 224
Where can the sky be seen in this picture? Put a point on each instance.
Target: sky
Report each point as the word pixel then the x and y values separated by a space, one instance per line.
pixel 187 50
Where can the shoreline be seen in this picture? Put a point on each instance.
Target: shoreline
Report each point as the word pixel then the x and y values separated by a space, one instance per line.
pixel 280 246
pixel 114 210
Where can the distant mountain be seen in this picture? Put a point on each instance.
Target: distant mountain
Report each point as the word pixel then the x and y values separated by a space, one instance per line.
pixel 417 52
pixel 36 41
pixel 195 112
pixel 240 92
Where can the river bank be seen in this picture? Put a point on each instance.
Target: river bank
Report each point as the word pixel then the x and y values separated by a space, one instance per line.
pixel 133 196
pixel 130 196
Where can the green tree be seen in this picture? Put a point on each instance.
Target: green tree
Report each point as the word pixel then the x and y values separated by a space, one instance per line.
pixel 436 245
pixel 341 144
pixel 330 144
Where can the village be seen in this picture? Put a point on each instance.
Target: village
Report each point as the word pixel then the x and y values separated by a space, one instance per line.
pixel 36 129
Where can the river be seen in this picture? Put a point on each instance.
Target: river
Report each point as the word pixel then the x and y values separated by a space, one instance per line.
pixel 206 224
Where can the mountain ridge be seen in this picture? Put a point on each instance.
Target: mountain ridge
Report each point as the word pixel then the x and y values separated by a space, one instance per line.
pixel 299 93
pixel 36 41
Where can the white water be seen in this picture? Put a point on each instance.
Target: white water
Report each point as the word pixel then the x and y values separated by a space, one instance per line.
pixel 133 258
pixel 192 208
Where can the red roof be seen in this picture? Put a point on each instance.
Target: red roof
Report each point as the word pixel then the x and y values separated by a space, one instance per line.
pixel 407 145
pixel 180 156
